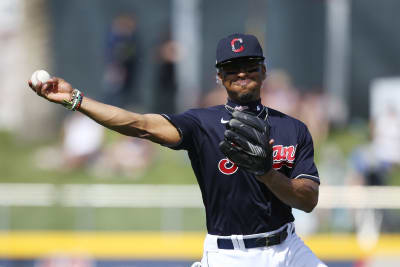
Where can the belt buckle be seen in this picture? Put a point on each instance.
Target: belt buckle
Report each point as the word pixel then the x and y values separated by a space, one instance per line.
pixel 262 241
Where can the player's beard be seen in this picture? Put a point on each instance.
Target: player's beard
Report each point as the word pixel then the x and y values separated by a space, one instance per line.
pixel 247 97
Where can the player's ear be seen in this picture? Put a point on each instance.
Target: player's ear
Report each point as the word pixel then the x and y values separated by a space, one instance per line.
pixel 264 71
pixel 219 77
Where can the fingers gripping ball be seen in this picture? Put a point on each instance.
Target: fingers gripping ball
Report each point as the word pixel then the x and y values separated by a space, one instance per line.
pixel 40 76
pixel 246 143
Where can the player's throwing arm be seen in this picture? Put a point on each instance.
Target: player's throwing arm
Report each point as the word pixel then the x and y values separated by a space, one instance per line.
pixel 153 127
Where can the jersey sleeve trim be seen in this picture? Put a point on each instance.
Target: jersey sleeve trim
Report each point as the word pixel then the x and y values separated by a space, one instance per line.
pixel 310 177
pixel 179 131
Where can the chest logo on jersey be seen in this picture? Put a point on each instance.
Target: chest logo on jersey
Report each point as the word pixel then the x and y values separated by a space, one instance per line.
pixel 283 156
pixel 227 167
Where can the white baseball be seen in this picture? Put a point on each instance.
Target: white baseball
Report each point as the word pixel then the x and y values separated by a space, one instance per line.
pixel 40 76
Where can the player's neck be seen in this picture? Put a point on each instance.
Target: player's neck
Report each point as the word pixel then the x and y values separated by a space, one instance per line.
pixel 252 106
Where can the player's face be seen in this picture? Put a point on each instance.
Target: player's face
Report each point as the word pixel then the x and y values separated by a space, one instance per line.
pixel 243 79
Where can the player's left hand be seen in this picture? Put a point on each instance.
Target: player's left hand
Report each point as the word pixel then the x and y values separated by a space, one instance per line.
pixel 247 143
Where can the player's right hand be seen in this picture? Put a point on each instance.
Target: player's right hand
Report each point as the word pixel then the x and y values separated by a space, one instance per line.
pixel 55 90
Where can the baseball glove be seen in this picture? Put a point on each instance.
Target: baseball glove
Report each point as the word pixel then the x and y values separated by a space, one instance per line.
pixel 246 143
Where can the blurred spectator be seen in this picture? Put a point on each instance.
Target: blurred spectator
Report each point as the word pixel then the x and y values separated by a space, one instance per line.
pixel 366 168
pixel 216 96
pixel 386 135
pixel 82 141
pixel 279 93
pixel 313 112
pixel 372 162
pixel 121 62
pixel 83 147
pixel 167 56
pixel 80 147
pixel 126 156
pixel 337 111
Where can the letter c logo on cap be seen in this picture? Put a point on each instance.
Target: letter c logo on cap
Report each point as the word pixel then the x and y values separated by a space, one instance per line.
pixel 241 47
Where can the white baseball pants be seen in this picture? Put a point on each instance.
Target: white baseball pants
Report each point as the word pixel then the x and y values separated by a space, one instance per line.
pixel 292 252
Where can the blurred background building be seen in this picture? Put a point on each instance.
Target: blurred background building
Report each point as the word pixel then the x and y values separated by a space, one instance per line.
pixel 334 64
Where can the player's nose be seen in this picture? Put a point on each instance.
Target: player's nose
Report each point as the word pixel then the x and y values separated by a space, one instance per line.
pixel 242 73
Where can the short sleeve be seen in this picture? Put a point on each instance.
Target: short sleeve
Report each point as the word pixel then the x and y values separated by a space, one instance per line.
pixel 185 123
pixel 304 166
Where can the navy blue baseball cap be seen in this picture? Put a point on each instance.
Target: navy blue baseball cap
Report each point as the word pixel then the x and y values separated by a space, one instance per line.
pixel 238 46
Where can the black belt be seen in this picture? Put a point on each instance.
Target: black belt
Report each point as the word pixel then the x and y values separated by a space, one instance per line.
pixel 256 242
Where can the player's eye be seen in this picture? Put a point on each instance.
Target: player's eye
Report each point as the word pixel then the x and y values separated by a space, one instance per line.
pixel 235 71
pixel 254 69
pixel 232 72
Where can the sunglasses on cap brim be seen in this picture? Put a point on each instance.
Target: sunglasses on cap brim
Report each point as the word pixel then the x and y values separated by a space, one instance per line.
pixel 240 60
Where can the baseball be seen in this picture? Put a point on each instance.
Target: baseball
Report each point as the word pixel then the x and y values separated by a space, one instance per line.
pixel 40 76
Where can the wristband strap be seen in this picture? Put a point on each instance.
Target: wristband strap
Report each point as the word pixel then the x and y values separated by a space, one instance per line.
pixel 75 102
pixel 78 105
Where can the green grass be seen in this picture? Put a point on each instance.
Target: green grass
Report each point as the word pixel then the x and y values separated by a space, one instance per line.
pixel 101 219
pixel 344 139
pixel 17 165
pixel 394 176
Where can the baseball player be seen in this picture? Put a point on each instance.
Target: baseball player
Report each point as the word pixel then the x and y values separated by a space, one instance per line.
pixel 253 164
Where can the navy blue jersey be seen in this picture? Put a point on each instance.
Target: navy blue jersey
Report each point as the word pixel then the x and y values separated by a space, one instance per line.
pixel 235 201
